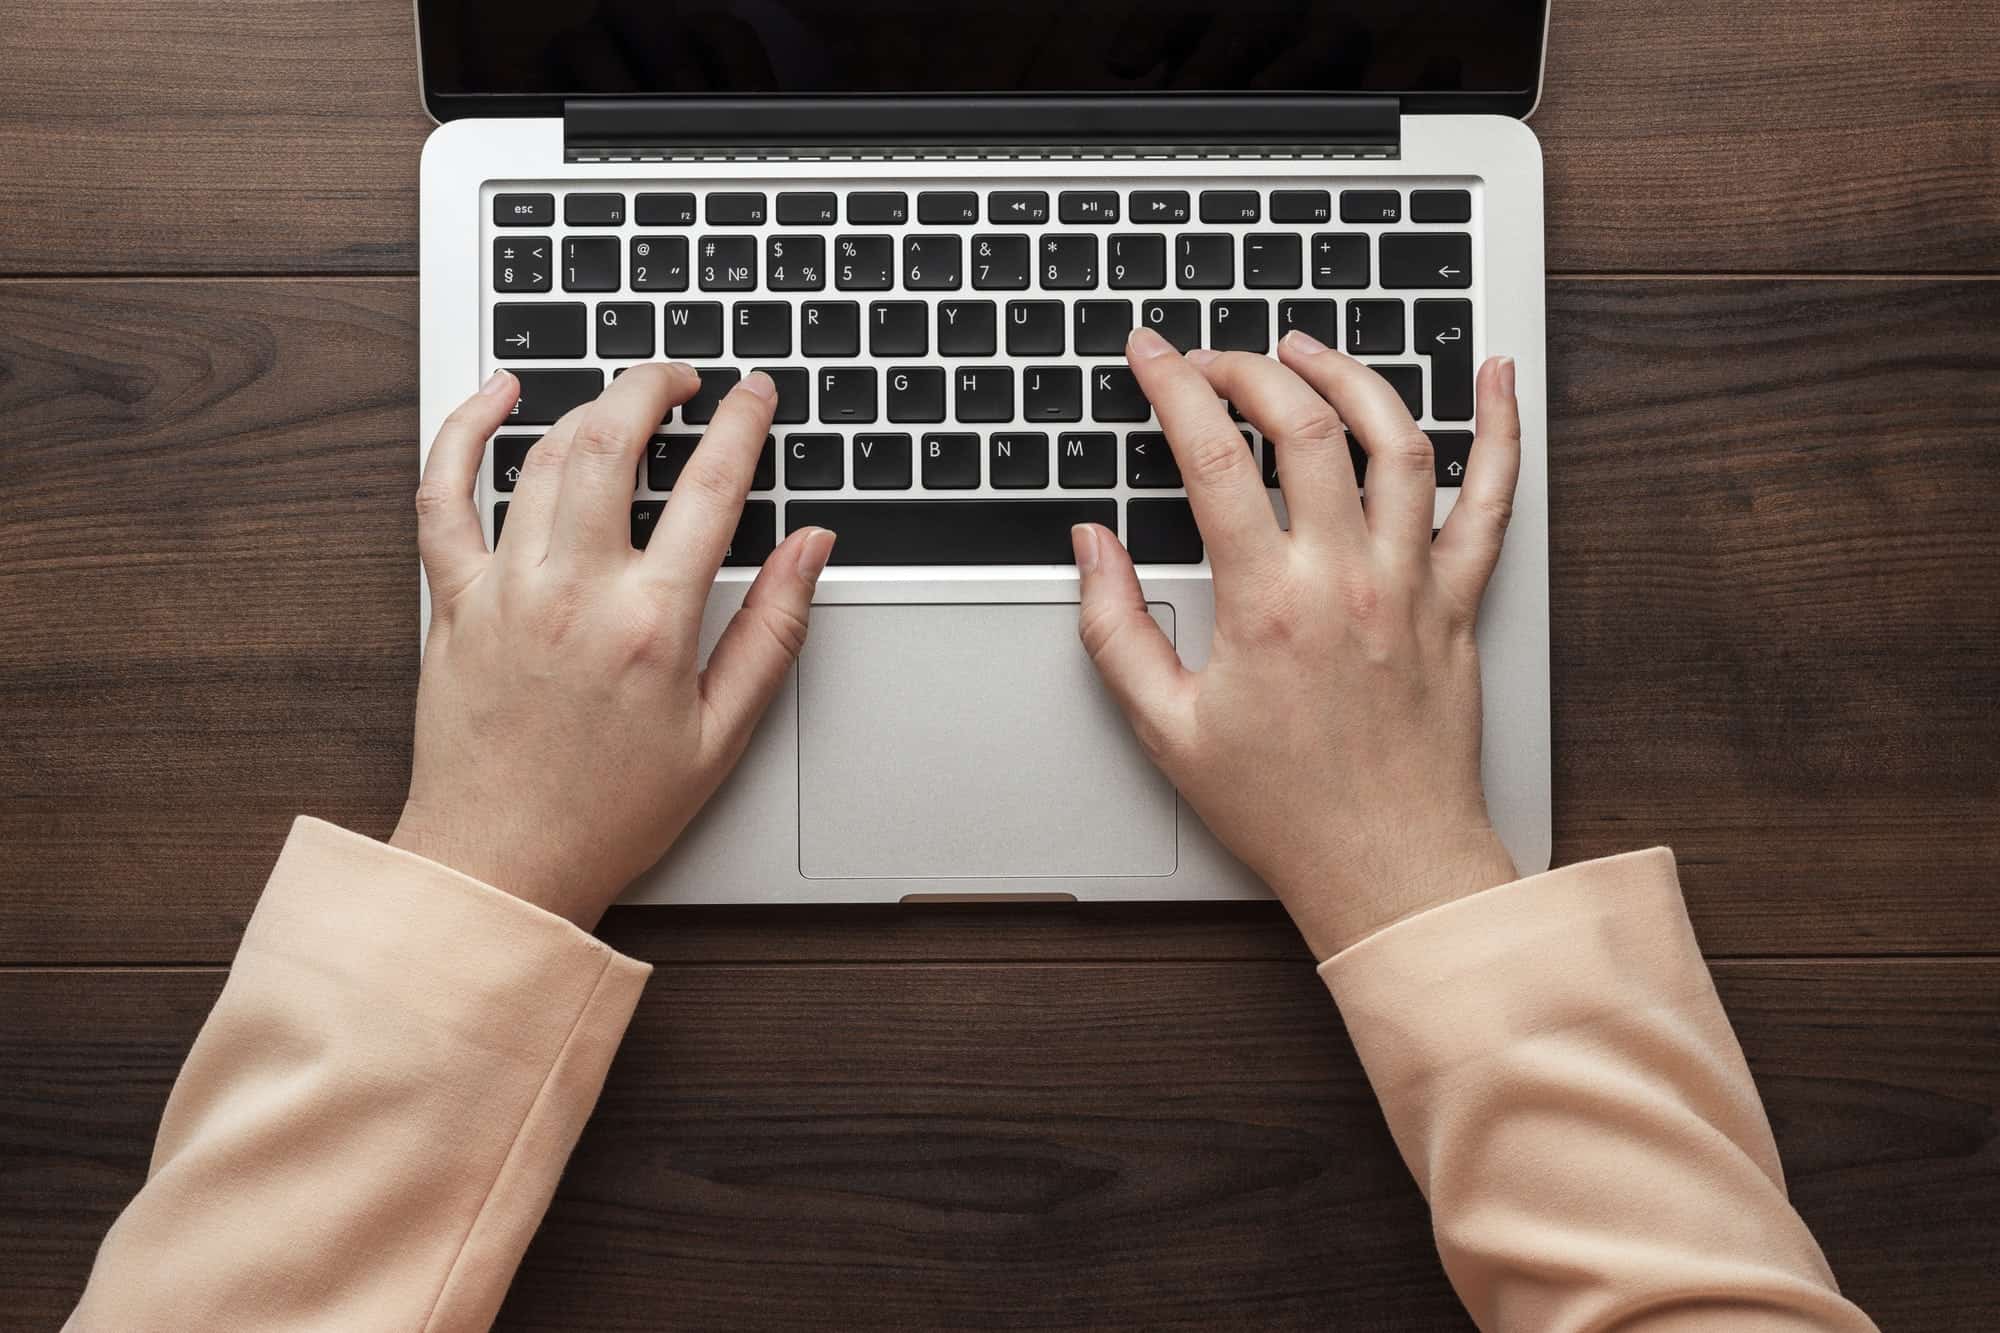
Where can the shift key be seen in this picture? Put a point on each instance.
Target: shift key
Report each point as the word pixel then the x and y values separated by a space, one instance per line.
pixel 547 394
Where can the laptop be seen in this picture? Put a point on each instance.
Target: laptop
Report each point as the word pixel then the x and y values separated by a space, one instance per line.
pixel 934 224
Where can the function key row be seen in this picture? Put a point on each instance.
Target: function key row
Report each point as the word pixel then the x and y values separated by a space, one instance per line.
pixel 944 208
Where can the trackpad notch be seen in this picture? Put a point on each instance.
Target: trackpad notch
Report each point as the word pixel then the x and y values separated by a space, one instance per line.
pixel 970 742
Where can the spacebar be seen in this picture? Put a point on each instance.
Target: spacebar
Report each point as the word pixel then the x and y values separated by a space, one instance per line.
pixel 950 532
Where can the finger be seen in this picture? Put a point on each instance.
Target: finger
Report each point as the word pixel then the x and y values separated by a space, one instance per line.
pixel 593 518
pixel 531 514
pixel 449 538
pixel 1313 467
pixel 707 502
pixel 1128 647
pixel 1469 545
pixel 1402 489
pixel 1230 505
pixel 763 638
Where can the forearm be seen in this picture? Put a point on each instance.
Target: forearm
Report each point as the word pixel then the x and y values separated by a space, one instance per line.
pixel 1560 1077
pixel 372 1121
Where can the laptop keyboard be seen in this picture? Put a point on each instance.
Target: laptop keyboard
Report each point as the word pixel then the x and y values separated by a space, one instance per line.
pixel 952 385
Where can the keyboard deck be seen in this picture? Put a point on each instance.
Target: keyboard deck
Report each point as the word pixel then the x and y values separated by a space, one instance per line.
pixel 949 359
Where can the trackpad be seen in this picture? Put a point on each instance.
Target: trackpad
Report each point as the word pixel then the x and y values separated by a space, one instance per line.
pixel 954 742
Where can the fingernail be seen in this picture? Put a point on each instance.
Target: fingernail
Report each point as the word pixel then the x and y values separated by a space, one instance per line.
pixel 759 383
pixel 1083 540
pixel 1146 344
pixel 495 383
pixel 814 552
pixel 684 367
pixel 1507 374
pixel 1301 341
pixel 1201 356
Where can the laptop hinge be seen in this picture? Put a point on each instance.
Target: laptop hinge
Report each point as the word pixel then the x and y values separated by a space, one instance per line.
pixel 663 129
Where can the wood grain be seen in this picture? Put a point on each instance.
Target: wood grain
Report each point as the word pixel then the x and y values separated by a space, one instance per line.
pixel 283 137
pixel 1775 546
pixel 1165 1146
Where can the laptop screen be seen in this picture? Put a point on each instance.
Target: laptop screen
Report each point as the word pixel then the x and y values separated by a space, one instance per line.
pixel 526 56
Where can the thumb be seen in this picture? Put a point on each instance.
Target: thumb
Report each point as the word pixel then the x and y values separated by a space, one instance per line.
pixel 764 637
pixel 1128 647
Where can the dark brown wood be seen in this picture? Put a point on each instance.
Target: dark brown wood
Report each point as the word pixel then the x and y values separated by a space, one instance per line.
pixel 283 137
pixel 1170 1145
pixel 1774 555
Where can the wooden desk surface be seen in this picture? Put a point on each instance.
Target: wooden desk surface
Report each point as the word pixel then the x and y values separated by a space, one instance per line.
pixel 1773 236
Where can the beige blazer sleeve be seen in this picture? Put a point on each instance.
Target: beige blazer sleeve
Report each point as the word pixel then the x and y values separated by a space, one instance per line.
pixel 372 1121
pixel 1558 1073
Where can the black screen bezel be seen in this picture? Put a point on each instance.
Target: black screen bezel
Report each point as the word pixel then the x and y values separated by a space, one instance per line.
pixel 457 106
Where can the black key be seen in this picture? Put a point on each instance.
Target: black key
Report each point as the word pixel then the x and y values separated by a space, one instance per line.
pixel 796 263
pixel 985 393
pixel 1020 461
pixel 765 478
pixel 625 330
pixel 931 263
pixel 1371 206
pixel 799 208
pixel 1407 381
pixel 965 328
pixel 1087 206
pixel 715 382
pixel 951 532
pixel 761 328
pixel 882 462
pixel 1375 328
pixel 1444 334
pixel 521 264
pixel 510 455
pixel 694 329
pixel 1102 327
pixel 524 210
pixel 1321 319
pixel 646 516
pixel 594 210
pixel 999 263
pixel 794 394
pixel 1150 463
pixel 864 263
pixel 814 462
pixel 1162 532
pixel 1138 262
pixel 1159 206
pixel 1358 457
pixel 659 263
pixel 590 264
pixel 1273 261
pixel 1205 260
pixel 736 209
pixel 1018 206
pixel 916 393
pixel 1115 395
pixel 1052 393
pixel 1068 263
pixel 1034 328
pixel 945 208
pixel 951 462
pixel 665 210
pixel 899 328
pixel 1301 206
pixel 1240 326
pixel 1440 206
pixel 1451 450
pixel 847 395
pixel 547 394
pixel 830 328
pixel 1087 459
pixel 1340 260
pixel 666 456
pixel 878 208
pixel 499 520
pixel 1231 206
pixel 543 329
pixel 1179 322
pixel 727 263
pixel 1427 259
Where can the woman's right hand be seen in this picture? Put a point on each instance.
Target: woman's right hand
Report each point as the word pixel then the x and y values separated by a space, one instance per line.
pixel 1332 740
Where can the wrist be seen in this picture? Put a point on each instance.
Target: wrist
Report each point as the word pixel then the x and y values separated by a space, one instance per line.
pixel 1356 893
pixel 480 858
